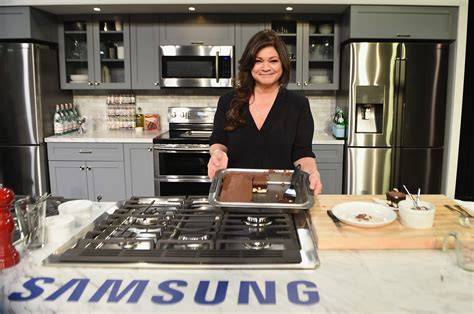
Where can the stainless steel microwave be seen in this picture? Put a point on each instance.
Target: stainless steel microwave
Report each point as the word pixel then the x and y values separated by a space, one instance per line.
pixel 196 66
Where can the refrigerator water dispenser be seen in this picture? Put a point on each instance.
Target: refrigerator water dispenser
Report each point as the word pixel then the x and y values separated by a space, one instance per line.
pixel 369 109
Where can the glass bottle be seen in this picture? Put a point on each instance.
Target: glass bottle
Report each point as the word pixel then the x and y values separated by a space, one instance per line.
pixel 139 118
pixel 339 124
pixel 58 123
pixel 62 112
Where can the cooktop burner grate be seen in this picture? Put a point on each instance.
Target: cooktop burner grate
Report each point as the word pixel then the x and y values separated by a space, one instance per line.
pixel 187 231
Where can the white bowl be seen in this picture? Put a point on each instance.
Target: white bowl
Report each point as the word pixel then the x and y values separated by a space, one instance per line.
pixel 79 77
pixel 80 209
pixel 325 29
pixel 59 227
pixel 414 218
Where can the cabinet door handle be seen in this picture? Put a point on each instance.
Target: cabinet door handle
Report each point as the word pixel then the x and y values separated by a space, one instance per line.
pixel 88 168
pixel 97 83
pixel 90 83
pixel 305 83
pixel 156 83
pixel 82 168
pixel 403 35
pixel 298 83
pixel 149 149
pixel 217 66
pixel 197 43
pixel 85 151
pixel 99 198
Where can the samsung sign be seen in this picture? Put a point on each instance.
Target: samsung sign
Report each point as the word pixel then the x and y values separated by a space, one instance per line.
pixel 299 292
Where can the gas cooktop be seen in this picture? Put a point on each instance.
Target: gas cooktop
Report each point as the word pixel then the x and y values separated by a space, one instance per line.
pixel 188 232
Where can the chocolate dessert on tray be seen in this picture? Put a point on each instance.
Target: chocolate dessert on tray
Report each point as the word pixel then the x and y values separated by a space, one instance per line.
pixel 260 189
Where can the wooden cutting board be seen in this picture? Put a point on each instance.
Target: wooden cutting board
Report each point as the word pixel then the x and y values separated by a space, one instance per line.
pixel 392 236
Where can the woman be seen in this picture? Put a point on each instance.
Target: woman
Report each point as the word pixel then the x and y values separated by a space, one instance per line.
pixel 262 125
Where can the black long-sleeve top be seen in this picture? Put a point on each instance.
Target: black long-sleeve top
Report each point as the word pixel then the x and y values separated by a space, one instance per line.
pixel 285 136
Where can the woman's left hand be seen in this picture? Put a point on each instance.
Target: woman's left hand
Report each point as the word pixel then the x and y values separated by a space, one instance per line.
pixel 315 183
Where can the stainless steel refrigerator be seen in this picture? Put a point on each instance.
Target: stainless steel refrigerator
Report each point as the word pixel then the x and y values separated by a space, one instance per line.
pixel 29 91
pixel 394 94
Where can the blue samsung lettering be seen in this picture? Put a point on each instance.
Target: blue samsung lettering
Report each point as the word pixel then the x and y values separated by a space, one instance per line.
pixel 175 295
pixel 244 292
pixel 76 293
pixel 203 287
pixel 30 285
pixel 294 297
pixel 138 286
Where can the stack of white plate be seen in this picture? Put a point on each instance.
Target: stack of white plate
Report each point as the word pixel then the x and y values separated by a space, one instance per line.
pixel 79 78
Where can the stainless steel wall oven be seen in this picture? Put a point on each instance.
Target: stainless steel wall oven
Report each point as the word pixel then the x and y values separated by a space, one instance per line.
pixel 181 155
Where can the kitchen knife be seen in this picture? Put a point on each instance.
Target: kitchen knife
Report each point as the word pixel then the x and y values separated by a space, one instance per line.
pixel 333 217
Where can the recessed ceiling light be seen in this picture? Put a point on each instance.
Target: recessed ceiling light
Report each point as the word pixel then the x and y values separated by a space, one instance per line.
pixel 96 9
pixel 192 9
pixel 289 9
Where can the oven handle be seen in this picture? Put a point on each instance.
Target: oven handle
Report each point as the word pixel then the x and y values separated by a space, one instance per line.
pixel 182 150
pixel 192 179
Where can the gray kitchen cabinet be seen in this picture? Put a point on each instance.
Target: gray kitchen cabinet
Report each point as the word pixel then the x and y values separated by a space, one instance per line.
pixel 145 42
pixel 329 158
pixel 197 30
pixel 395 22
pixel 139 170
pixel 87 170
pixel 94 52
pixel 68 179
pixel 27 23
pixel 245 27
pixel 313 48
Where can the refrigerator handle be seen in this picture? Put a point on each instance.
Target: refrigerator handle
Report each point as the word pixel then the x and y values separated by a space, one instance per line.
pixel 400 79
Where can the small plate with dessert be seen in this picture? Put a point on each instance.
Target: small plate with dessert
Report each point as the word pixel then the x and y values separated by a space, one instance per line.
pixel 364 214
pixel 260 188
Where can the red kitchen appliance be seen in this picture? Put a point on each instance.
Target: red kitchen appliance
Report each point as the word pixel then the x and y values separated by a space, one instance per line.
pixel 8 254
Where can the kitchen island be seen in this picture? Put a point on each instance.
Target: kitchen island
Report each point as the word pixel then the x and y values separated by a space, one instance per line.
pixel 362 281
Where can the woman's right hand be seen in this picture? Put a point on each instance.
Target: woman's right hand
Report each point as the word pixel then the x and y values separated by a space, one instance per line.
pixel 217 161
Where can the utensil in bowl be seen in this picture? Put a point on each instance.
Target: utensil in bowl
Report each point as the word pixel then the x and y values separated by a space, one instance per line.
pixel 290 193
pixel 412 217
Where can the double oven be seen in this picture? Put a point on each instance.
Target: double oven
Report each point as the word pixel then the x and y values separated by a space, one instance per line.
pixel 180 156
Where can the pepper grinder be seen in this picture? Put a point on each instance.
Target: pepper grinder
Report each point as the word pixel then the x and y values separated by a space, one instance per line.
pixel 9 256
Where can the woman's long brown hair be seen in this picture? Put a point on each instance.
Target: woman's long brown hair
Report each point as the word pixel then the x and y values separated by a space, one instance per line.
pixel 246 85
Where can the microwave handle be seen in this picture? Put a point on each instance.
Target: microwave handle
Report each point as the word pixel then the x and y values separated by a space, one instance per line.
pixel 217 66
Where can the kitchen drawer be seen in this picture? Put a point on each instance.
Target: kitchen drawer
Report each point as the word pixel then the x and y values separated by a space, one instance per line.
pixel 328 153
pixel 85 151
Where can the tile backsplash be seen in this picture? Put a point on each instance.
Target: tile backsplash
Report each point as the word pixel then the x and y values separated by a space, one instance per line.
pixel 93 107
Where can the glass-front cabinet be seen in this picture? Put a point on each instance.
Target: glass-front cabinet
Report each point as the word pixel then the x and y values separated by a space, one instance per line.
pixel 94 52
pixel 313 48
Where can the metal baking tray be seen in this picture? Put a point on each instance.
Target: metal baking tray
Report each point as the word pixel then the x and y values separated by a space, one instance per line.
pixel 278 182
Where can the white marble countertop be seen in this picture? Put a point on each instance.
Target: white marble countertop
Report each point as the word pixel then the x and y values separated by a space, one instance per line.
pixel 105 136
pixel 396 281
pixel 326 138
pixel 130 136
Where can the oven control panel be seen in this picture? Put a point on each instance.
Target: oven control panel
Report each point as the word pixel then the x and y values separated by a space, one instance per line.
pixel 191 114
